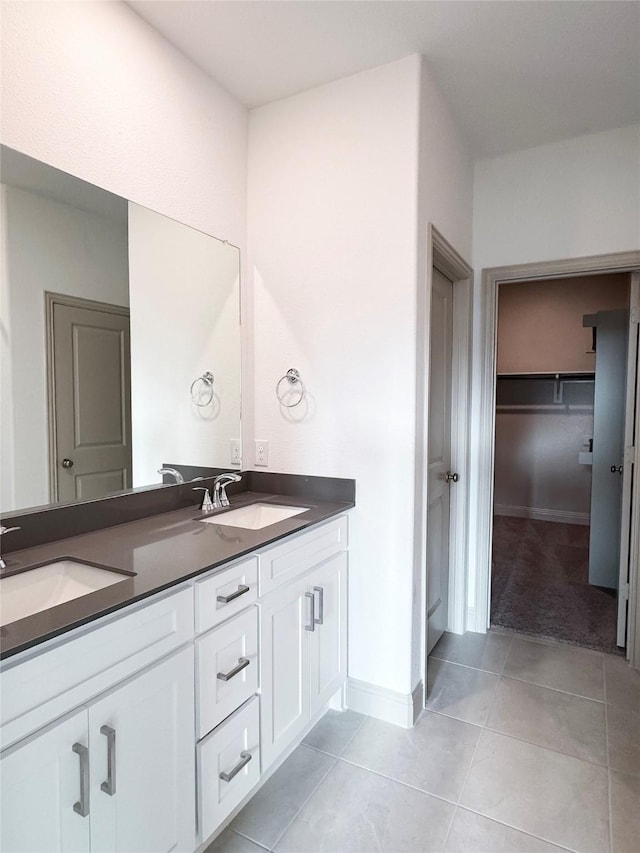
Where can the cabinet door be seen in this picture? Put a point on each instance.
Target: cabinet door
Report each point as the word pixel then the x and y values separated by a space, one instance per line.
pixel 328 647
pixel 142 761
pixel 41 783
pixel 284 654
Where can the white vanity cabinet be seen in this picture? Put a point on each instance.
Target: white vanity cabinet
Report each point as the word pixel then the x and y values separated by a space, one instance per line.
pixel 115 770
pixel 111 777
pixel 303 636
pixel 113 733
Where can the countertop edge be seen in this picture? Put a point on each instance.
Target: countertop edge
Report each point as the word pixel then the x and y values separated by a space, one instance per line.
pixel 333 509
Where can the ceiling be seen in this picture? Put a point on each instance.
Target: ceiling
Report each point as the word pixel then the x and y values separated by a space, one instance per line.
pixel 516 74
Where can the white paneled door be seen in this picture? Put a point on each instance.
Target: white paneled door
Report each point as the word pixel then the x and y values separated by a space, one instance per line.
pixel 141 737
pixel 439 475
pixel 329 637
pixel 46 791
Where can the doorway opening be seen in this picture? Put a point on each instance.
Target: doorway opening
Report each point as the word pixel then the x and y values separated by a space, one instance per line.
pixel 561 396
pixel 480 551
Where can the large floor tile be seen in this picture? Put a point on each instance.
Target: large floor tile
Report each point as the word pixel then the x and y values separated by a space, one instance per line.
pixel 334 731
pixel 269 812
pixel 459 691
pixel 482 651
pixel 355 811
pixel 550 718
pixel 435 755
pixel 559 667
pixel 623 732
pixel 625 812
pixel 472 833
pixel 229 842
pixel 623 683
pixel 556 797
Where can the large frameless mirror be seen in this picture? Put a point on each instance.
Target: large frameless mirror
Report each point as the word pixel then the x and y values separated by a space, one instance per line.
pixel 120 341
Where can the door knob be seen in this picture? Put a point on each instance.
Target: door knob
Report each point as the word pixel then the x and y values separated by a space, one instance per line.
pixel 451 478
pixel 616 469
pixel 67 463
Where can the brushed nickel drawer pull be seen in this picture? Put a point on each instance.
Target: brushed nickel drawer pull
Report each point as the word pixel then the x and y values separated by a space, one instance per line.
pixel 82 806
pixel 320 619
pixel 245 758
pixel 225 599
pixel 109 787
pixel 312 599
pixel 227 676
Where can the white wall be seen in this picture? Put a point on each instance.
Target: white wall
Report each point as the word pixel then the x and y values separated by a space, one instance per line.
pixel 50 246
pixel 184 321
pixel 343 180
pixel 332 226
pixel 92 89
pixel 446 170
pixel 569 199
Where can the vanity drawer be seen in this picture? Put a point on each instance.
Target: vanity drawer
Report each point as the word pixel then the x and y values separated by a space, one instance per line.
pixel 222 595
pixel 228 766
pixel 298 554
pixel 226 669
pixel 37 689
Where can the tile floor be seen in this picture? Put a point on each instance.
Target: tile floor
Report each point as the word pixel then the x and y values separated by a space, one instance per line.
pixel 526 747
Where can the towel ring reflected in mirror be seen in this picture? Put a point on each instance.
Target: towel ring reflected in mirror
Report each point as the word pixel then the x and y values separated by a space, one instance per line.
pixel 202 390
pixel 291 378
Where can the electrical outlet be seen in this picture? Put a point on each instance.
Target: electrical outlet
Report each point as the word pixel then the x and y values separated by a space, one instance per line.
pixel 262 453
pixel 236 453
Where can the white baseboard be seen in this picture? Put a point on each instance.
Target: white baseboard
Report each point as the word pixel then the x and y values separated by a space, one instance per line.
pixel 401 709
pixel 539 514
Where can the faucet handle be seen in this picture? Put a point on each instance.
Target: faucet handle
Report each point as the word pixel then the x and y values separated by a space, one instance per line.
pixel 207 503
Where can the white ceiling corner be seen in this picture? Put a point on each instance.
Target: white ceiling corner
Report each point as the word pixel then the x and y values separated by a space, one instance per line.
pixel 516 74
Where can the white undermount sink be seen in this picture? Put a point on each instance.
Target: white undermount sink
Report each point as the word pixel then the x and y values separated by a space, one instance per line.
pixel 255 516
pixel 34 590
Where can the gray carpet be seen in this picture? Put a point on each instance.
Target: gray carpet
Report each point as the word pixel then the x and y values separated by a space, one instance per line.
pixel 539 584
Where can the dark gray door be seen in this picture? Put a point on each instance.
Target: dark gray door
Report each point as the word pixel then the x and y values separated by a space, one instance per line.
pixel 91 405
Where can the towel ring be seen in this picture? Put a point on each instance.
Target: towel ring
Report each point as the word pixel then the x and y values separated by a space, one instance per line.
pixel 292 377
pixel 207 381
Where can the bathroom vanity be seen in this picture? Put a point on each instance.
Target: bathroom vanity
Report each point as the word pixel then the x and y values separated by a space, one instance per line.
pixel 145 728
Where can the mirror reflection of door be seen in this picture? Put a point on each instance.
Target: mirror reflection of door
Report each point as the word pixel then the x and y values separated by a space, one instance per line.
pixel 90 398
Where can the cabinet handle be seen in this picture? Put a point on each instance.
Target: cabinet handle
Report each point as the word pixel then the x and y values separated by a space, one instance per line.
pixel 109 787
pixel 245 758
pixel 227 676
pixel 312 599
pixel 320 619
pixel 225 599
pixel 82 806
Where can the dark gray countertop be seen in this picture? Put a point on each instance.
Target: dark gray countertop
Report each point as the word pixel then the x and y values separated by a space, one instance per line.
pixel 161 550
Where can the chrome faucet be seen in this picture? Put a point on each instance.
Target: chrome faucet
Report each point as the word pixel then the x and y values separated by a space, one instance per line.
pixel 177 476
pixel 207 503
pixel 4 530
pixel 220 498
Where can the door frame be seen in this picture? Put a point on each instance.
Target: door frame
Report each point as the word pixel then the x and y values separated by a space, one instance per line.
pixel 480 555
pixel 52 299
pixel 440 253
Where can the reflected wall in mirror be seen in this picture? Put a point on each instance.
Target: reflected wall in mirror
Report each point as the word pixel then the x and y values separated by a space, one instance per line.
pixel 109 312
